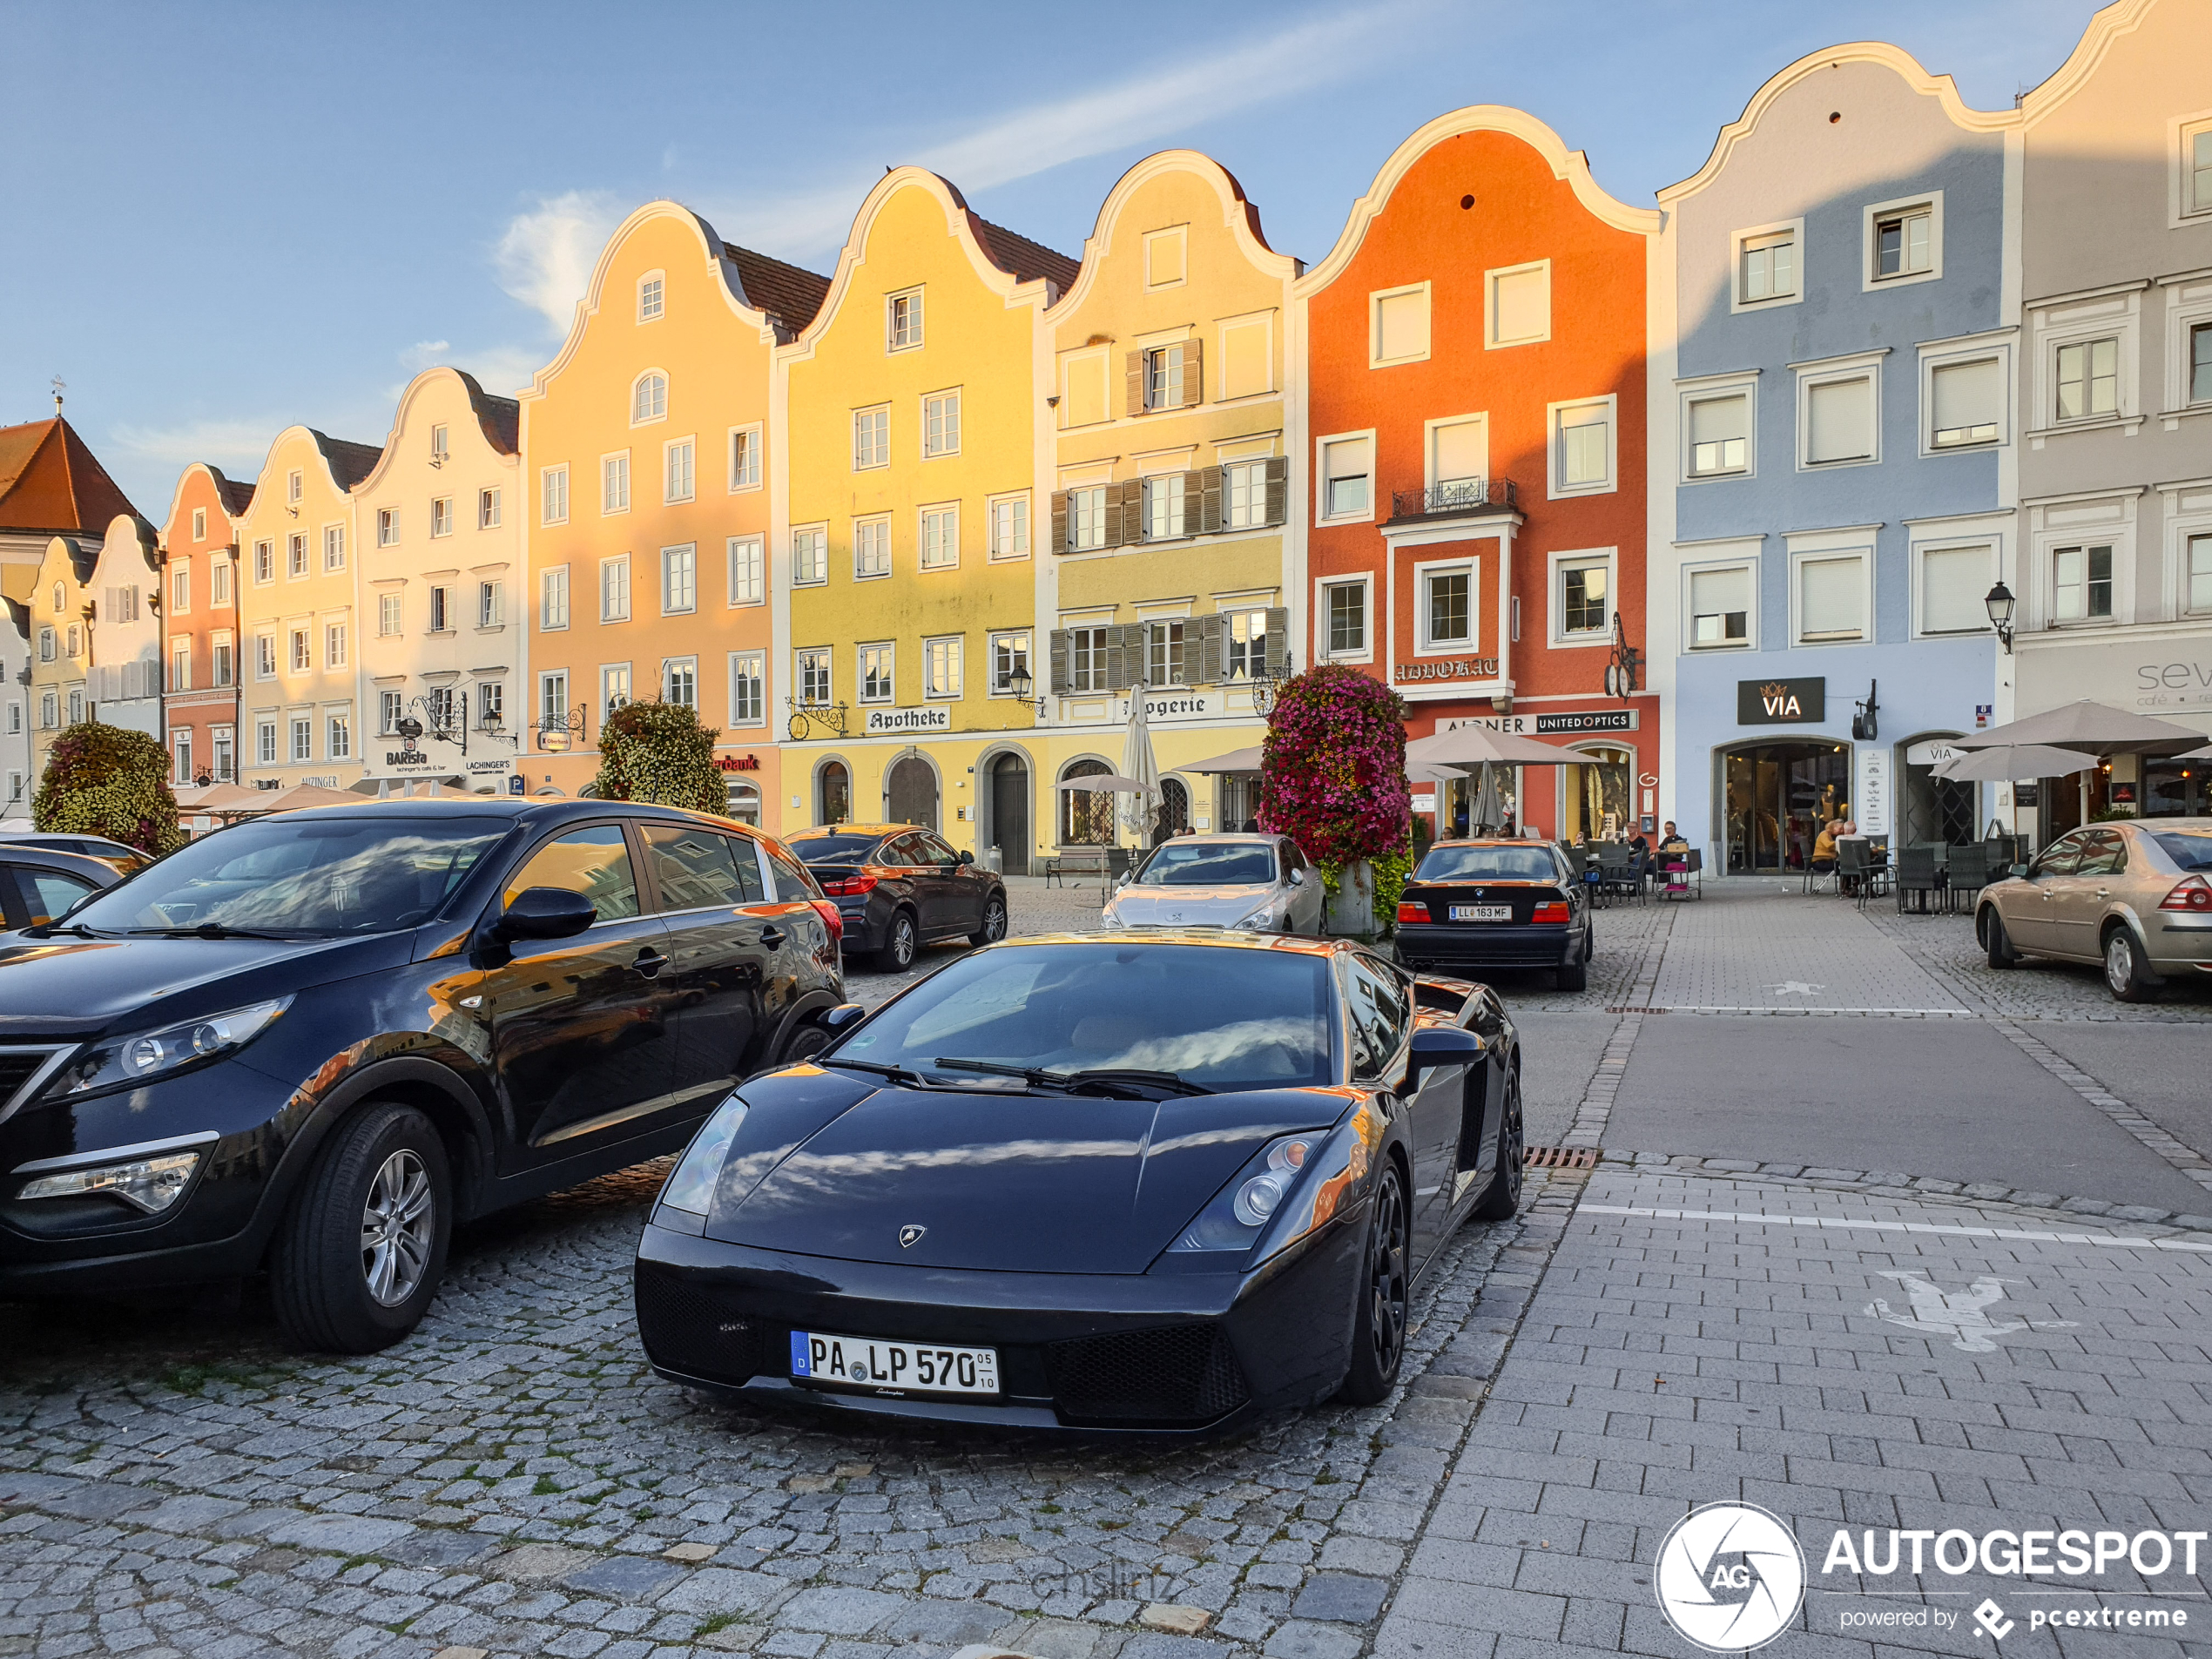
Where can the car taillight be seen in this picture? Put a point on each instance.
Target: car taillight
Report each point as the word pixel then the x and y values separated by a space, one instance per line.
pixel 1412 910
pixel 829 915
pixel 852 886
pixel 2193 893
pixel 1552 910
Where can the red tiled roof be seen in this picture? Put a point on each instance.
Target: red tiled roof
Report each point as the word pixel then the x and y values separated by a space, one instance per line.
pixel 51 484
pixel 237 494
pixel 1027 259
pixel 792 294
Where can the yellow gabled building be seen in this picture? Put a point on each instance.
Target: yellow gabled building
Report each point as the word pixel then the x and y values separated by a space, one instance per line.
pixel 917 413
pixel 1174 563
pixel 651 476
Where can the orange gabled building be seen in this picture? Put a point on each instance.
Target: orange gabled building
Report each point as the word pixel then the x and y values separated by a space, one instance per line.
pixel 1476 377
pixel 199 624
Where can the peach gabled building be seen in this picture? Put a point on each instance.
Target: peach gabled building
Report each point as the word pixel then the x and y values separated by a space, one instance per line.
pixel 199 624
pixel 1476 350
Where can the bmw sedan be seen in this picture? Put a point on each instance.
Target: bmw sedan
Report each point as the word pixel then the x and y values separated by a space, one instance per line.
pixel 310 1043
pixel 898 888
pixel 2133 896
pixel 1261 883
pixel 1152 1182
pixel 1496 903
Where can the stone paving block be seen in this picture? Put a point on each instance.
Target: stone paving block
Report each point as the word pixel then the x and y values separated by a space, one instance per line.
pixel 637 1576
pixel 721 1589
pixel 1341 1598
pixel 1301 1640
pixel 839 1612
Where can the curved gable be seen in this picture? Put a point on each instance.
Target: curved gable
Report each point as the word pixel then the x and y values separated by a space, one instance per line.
pixel 1239 215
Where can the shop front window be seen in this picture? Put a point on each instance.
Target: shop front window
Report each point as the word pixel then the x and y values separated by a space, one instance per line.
pixel 1086 816
pixel 834 786
pixel 1777 798
pixel 1596 800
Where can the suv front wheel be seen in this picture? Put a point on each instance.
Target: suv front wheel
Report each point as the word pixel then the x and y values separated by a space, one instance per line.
pixel 361 1249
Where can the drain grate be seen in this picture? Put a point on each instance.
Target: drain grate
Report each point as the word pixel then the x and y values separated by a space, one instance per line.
pixel 1563 1157
pixel 1630 1007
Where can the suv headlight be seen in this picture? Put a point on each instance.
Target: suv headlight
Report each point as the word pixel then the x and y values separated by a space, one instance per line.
pixel 113 1063
pixel 692 1188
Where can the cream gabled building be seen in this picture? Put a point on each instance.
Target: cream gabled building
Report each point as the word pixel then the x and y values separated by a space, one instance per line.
pixel 297 618
pixel 440 593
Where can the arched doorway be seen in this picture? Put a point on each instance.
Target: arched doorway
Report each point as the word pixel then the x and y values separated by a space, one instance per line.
pixel 833 794
pixel 1086 818
pixel 1174 815
pixel 1011 813
pixel 910 792
pixel 1932 808
pixel 741 801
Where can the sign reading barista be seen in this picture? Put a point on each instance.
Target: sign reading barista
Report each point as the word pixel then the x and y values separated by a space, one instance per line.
pixel 1795 702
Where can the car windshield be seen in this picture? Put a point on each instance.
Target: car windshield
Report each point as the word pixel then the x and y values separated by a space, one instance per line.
pixel 1201 864
pixel 1487 864
pixel 304 874
pixel 834 849
pixel 2190 848
pixel 1225 1019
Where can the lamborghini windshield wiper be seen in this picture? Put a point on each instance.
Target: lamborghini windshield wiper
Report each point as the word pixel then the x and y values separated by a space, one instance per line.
pixel 48 929
pixel 1096 1078
pixel 897 1073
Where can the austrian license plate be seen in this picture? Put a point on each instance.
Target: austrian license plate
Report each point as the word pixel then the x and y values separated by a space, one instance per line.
pixel 907 1367
pixel 1483 913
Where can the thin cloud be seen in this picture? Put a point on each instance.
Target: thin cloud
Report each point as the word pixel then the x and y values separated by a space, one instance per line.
pixel 230 444
pixel 544 256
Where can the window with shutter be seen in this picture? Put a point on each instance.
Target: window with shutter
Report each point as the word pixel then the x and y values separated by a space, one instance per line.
pixel 1058 645
pixel 1720 607
pixel 1211 484
pixel 1839 420
pixel 1346 467
pixel 1459 453
pixel 1133 398
pixel 1213 648
pixel 1965 399
pixel 1193 351
pixel 1719 432
pixel 1278 640
pixel 1400 328
pixel 1832 598
pixel 1519 304
pixel 1955 582
pixel 1278 488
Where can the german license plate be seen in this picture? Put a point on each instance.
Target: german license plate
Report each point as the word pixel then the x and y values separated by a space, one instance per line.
pixel 1483 913
pixel 900 1367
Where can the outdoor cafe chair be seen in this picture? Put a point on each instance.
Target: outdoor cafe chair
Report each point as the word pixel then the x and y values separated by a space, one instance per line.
pixel 1917 877
pixel 1966 874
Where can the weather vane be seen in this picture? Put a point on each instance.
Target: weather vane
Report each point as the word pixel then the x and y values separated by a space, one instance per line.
pixel 60 386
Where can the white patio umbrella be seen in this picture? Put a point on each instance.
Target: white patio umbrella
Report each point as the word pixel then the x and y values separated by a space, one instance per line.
pixel 1471 746
pixel 2089 728
pixel 1235 761
pixel 2205 753
pixel 1105 783
pixel 1138 762
pixel 2015 760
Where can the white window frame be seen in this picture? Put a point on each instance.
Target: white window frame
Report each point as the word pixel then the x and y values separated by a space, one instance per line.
pixel 1795 228
pixel 1490 341
pixel 1028 649
pixel 1375 358
pixel 180 654
pixel 1990 541
pixel 1608 558
pixel 441 442
pixel 1705 389
pixel 1323 587
pixel 2181 131
pixel 753 666
pixel 992 505
pixel 636 384
pixel 266 752
pixel 553 482
pixel 891 341
pixel 297 567
pixel 199 524
pixel 337 645
pixel 1251 476
pixel 863 529
pixel 1075 518
pixel 1819 550
pixel 546 586
pixel 338 734
pixel 949 397
pixel 180 588
pixel 220 585
pixel 746 567
pixel 941 510
pixel 301 726
pixel 680 454
pixel 559 707
pixel 391 708
pixel 869 414
pixel 1556 466
pixel 1180 235
pixel 294 485
pixel 1827 371
pixel 740 485
pixel 888 650
pixel 334 548
pixel 614 458
pixel 2082 539
pixel 607 613
pixel 616 681
pixel 390 620
pixel 488 508
pixel 1748 561
pixel 264 559
pixel 1873 214
pixel 671 666
pixel 1947 354
pixel 817 541
pixel 825 656
pixel 669 607
pixel 1424 572
pixel 299 648
pixel 959 644
pixel 268 664
pixel 222 659
pixel 180 745
pixel 440 516
pixel 1321 479
pixel 1173 527
pixel 2074 322
pixel 441 609
pixel 656 281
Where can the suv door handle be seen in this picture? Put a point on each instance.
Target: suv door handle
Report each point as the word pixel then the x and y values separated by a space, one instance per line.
pixel 771 936
pixel 649 961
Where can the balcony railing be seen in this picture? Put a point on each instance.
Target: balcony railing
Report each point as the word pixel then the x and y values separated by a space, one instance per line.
pixel 1459 496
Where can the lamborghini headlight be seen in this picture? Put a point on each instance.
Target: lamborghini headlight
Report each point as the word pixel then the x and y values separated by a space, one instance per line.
pixel 692 1188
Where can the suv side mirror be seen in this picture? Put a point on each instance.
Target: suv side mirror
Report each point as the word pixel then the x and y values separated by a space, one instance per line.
pixel 1442 1045
pixel 966 857
pixel 545 912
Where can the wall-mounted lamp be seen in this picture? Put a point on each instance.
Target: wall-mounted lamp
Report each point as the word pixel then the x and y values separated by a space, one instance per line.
pixel 1999 601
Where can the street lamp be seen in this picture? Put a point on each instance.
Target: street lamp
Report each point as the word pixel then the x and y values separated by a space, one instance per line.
pixel 1999 602
pixel 1020 682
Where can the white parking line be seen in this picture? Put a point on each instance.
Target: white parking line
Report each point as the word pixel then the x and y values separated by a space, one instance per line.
pixel 2111 1241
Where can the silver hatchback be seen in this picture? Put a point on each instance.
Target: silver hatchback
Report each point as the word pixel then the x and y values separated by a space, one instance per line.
pixel 1255 883
pixel 2133 895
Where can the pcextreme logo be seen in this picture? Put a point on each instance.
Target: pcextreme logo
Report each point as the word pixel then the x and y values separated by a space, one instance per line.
pixel 1730 1577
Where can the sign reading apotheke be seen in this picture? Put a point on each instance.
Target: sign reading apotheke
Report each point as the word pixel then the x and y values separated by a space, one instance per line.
pixel 1798 702
pixel 886 722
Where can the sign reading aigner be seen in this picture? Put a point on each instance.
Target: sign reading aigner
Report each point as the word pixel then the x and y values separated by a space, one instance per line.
pixel 1781 702
pixel 882 722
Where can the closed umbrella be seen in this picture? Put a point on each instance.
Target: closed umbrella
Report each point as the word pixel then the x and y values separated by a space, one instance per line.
pixel 1139 763
pixel 1488 815
pixel 2015 760
pixel 2089 728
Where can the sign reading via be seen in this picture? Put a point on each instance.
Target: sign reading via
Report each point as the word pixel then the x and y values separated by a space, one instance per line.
pixel 1798 702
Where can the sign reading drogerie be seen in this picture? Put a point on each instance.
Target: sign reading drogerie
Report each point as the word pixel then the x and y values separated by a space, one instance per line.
pixel 1779 702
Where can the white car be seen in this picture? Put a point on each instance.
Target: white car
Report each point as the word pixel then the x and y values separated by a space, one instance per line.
pixel 1254 883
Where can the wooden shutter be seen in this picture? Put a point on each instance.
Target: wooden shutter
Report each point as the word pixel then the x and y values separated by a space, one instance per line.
pixel 1059 661
pixel 1060 521
pixel 1117 676
pixel 1136 400
pixel 1192 378
pixel 1125 514
pixel 1202 500
pixel 1278 640
pixel 1278 492
pixel 1213 648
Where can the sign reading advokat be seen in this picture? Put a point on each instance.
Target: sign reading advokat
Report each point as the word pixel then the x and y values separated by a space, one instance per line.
pixel 1798 702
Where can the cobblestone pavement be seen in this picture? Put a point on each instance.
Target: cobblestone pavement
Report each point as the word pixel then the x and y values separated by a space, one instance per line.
pixel 1860 1359
pixel 514 1479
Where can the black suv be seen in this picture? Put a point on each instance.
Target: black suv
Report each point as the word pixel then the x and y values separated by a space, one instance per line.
pixel 900 888
pixel 312 1042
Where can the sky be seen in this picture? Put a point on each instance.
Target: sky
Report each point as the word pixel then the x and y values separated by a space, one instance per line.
pixel 220 220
